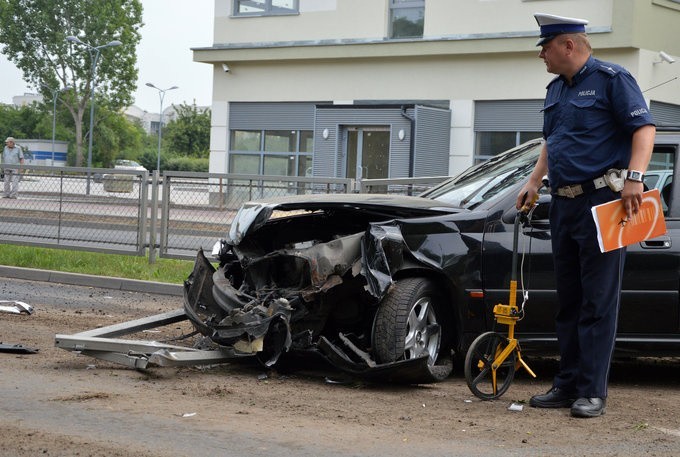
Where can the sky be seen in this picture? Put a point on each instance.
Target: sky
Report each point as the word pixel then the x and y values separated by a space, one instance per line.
pixel 164 57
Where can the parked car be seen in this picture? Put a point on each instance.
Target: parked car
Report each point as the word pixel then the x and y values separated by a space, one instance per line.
pixel 125 164
pixel 393 286
pixel 119 164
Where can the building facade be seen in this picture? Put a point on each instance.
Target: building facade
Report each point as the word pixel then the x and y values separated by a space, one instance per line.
pixel 399 88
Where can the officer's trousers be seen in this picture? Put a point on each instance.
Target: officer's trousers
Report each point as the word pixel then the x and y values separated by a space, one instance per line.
pixel 588 289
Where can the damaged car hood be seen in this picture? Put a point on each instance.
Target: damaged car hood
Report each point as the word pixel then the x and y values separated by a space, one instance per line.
pixel 252 215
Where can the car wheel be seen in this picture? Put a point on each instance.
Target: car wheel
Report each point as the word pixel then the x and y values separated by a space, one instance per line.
pixel 478 366
pixel 406 327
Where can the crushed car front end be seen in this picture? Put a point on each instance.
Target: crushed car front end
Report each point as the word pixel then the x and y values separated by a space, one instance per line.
pixel 313 273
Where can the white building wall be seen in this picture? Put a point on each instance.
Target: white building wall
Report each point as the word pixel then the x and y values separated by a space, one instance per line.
pixel 462 134
pixel 219 137
pixel 368 19
pixel 466 54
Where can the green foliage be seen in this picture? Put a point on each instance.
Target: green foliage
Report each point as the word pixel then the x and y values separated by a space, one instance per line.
pixel 189 133
pixel 19 122
pixel 33 35
pixel 118 138
pixel 149 159
pixel 187 164
pixel 114 265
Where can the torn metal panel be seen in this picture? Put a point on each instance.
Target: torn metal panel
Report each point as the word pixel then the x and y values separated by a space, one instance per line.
pixel 253 215
pixel 15 307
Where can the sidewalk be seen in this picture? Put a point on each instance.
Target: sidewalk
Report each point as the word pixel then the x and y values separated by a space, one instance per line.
pixel 106 282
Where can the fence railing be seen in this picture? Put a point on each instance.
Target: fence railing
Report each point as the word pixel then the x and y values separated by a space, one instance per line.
pixel 198 208
pixel 130 211
pixel 54 209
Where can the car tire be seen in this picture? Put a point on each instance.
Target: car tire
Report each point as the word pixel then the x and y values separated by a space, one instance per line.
pixel 406 327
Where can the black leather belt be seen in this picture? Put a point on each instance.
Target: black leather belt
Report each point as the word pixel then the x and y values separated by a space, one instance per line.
pixel 574 190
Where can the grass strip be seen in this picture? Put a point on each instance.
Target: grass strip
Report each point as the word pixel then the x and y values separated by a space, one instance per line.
pixel 171 271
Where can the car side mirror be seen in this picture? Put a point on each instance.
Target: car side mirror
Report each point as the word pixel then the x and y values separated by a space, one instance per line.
pixel 539 215
pixel 542 210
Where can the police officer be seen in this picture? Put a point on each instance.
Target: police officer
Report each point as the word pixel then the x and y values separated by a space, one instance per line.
pixel 595 119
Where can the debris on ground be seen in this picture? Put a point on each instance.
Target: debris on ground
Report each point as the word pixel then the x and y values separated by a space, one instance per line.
pixel 16 307
pixel 17 349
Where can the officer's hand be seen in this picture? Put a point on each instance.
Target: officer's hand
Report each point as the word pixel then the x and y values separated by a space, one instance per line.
pixel 526 198
pixel 631 196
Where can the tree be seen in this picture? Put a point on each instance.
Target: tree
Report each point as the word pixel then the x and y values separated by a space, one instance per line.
pixel 118 138
pixel 189 133
pixel 21 122
pixel 33 35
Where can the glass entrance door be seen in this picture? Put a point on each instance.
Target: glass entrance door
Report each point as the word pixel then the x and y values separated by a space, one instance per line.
pixel 368 152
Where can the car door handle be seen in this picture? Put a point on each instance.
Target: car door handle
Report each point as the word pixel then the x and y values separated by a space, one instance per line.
pixel 660 242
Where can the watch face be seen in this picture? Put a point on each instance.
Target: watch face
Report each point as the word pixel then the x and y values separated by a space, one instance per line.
pixel 634 175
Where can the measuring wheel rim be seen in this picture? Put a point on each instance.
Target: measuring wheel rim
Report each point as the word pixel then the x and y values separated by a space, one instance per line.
pixel 478 366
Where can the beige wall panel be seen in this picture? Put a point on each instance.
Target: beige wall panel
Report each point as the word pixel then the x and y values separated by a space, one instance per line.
pixel 351 19
pixel 469 17
pixel 389 79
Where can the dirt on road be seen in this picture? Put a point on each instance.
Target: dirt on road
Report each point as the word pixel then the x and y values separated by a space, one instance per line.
pixel 58 403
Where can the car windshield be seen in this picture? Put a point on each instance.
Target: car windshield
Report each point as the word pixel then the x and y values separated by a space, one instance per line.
pixel 483 182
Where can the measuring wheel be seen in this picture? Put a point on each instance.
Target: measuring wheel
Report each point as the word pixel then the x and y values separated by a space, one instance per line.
pixel 485 382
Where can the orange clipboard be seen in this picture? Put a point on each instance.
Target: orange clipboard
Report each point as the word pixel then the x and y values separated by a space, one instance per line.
pixel 615 231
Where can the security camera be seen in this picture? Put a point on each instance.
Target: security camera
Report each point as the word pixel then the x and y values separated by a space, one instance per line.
pixel 665 57
pixel 225 67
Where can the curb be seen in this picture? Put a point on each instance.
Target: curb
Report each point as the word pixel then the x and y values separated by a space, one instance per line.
pixel 106 282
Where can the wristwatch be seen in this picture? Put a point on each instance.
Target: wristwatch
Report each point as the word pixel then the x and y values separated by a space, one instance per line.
pixel 634 175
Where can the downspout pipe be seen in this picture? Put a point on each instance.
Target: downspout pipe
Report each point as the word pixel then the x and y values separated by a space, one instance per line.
pixel 411 141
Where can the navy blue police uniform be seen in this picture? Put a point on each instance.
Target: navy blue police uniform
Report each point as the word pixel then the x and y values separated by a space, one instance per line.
pixel 588 127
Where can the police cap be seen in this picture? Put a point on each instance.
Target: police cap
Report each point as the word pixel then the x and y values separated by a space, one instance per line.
pixel 552 25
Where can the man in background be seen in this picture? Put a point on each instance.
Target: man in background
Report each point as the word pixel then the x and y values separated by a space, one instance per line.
pixel 12 155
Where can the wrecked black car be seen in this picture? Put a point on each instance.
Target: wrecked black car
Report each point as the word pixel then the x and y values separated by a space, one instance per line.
pixel 377 284
pixel 394 287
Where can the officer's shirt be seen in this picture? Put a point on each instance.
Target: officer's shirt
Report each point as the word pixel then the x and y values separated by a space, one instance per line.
pixel 588 126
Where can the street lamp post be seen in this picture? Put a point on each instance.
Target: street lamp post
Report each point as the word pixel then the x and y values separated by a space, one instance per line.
pixel 55 95
pixel 94 56
pixel 161 95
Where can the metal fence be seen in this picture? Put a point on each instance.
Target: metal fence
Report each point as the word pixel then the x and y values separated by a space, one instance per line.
pixel 54 209
pixel 197 208
pixel 129 211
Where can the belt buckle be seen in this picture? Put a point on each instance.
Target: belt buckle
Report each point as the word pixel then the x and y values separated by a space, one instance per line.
pixel 573 191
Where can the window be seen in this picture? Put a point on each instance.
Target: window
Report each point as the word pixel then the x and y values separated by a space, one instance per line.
pixel 271 152
pixel 265 7
pixel 504 124
pixel 488 144
pixel 659 174
pixel 407 18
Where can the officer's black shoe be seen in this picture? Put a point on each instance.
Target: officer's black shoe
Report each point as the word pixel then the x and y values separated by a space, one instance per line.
pixel 589 407
pixel 554 398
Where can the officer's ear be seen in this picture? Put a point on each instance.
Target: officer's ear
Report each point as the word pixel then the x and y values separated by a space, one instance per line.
pixel 569 44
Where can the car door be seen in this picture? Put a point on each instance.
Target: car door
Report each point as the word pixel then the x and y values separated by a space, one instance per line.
pixel 649 295
pixel 649 301
pixel 534 272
